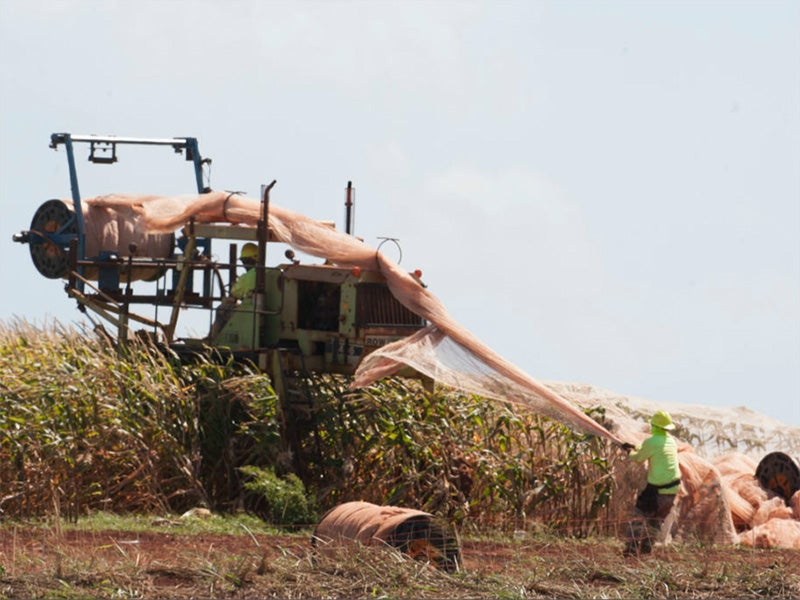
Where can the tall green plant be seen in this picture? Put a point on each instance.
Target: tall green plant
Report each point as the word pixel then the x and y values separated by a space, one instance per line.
pixel 460 456
pixel 84 425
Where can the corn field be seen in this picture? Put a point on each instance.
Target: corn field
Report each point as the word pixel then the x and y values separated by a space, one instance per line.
pixel 87 426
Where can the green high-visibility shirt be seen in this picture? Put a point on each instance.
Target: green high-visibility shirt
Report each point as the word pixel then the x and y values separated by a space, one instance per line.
pixel 244 285
pixel 661 450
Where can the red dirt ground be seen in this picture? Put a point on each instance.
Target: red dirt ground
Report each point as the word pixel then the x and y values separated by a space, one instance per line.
pixel 173 565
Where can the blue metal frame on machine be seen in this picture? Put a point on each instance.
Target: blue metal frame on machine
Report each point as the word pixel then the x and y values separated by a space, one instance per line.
pixel 100 146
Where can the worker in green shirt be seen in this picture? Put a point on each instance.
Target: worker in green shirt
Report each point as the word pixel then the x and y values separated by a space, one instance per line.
pixel 656 500
pixel 242 288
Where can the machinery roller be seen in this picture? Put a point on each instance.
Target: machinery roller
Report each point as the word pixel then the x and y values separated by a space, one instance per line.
pixel 111 236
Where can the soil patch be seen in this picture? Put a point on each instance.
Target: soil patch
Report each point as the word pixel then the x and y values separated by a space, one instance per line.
pixel 115 564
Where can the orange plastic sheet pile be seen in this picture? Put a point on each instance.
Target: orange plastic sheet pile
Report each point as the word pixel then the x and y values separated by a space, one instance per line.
pixel 731 496
pixel 719 501
pixel 763 518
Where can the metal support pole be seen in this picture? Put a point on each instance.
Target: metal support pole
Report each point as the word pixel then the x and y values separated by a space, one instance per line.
pixel 260 291
pixel 193 154
pixel 185 265
pixel 76 201
pixel 348 203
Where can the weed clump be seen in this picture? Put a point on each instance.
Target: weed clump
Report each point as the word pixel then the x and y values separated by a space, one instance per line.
pixel 283 500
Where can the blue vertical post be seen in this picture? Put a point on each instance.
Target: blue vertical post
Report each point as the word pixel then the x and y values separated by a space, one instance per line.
pixel 194 152
pixel 76 200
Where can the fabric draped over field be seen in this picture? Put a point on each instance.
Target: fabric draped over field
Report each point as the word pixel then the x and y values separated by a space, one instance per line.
pixel 714 503
pixel 166 214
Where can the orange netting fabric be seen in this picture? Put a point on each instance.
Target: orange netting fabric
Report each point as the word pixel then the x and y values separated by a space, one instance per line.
pixel 716 499
pixel 165 214
pixel 118 228
pixel 775 533
pixel 704 510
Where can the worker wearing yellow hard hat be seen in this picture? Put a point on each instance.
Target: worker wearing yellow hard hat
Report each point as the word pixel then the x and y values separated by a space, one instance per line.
pixel 244 285
pixel 242 288
pixel 249 252
pixel 655 502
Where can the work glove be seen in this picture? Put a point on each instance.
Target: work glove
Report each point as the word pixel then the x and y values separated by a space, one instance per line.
pixel 628 447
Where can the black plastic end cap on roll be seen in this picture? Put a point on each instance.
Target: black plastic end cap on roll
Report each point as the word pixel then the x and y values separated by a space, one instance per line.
pixel 779 473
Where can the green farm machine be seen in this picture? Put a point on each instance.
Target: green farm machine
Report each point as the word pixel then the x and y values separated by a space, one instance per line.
pixel 301 318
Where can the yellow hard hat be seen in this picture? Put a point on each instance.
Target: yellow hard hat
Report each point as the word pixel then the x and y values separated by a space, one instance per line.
pixel 662 419
pixel 249 250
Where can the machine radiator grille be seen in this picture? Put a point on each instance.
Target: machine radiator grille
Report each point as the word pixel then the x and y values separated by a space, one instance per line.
pixel 375 306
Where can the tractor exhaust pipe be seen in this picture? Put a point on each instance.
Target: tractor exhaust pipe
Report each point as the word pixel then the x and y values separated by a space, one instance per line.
pixel 349 200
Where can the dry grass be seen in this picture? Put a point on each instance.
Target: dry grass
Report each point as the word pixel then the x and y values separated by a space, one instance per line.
pixel 46 563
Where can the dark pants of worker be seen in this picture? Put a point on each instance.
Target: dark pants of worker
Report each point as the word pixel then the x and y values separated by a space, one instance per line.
pixel 648 516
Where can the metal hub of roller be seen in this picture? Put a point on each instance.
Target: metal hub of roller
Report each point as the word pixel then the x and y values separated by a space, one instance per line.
pixel 780 473
pixel 54 218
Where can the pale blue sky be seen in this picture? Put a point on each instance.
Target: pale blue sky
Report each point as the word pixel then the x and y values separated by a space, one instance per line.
pixel 604 192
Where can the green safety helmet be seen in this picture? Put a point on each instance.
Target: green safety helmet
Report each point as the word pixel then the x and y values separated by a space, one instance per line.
pixel 249 250
pixel 662 419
